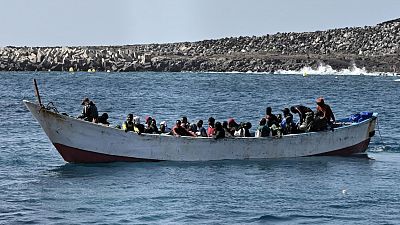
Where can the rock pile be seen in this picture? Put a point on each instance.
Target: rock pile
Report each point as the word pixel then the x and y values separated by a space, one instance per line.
pixel 377 48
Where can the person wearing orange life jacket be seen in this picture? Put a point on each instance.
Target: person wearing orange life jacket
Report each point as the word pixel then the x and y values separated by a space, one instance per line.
pixel 211 126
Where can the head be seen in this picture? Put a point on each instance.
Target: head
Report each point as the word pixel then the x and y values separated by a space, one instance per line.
pixel 193 127
pixel 178 123
pixel 263 121
pixel 129 117
pixel 85 101
pixel 247 125
pixel 268 111
pixel 225 124
pixel 148 120
pixel 293 109
pixel 136 120
pixel 320 101
pixel 285 111
pixel 184 119
pixel 153 122
pixel 211 121
pixel 232 122
pixel 104 116
pixel 218 126
pixel 163 125
pixel 200 123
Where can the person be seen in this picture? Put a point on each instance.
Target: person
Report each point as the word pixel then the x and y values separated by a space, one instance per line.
pixel 287 121
pixel 247 127
pixel 324 114
pixel 193 128
pixel 262 130
pixel 225 127
pixel 138 127
pixel 325 110
pixel 201 131
pixel 271 118
pixel 152 127
pixel 148 120
pixel 232 126
pixel 128 124
pixel 211 126
pixel 103 119
pixel 164 129
pixel 243 130
pixel 219 131
pixel 184 123
pixel 301 110
pixel 89 111
pixel 308 123
pixel 178 130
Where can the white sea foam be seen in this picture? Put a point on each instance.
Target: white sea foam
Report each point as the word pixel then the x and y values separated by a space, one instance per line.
pixel 328 70
pixel 323 70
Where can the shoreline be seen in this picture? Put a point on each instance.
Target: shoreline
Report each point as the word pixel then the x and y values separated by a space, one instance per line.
pixel 375 48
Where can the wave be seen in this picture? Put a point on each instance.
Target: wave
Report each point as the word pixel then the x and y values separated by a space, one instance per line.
pixel 328 70
pixel 321 70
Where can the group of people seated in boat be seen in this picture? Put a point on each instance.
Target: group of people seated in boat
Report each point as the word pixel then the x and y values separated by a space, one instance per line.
pixel 270 125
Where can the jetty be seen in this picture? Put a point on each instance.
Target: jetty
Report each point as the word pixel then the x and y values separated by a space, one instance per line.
pixel 375 48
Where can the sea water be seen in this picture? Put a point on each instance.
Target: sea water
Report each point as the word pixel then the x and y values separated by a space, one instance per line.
pixel 38 187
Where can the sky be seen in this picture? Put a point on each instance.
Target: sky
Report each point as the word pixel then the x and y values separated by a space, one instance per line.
pixel 123 22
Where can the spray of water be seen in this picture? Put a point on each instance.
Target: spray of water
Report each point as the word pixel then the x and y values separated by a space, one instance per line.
pixel 328 70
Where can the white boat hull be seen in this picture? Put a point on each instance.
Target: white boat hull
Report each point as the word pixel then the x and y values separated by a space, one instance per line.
pixel 79 141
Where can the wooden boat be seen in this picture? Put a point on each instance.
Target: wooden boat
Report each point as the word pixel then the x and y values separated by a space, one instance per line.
pixel 80 141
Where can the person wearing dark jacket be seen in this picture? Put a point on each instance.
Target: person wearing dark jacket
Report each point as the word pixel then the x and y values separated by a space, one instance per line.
pixel 301 110
pixel 89 111
pixel 219 131
pixel 103 119
pixel 271 118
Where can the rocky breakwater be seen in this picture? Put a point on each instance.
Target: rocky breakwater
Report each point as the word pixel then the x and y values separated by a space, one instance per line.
pixel 376 48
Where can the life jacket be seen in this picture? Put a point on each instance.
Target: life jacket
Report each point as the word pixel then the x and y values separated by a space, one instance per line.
pixel 129 126
pixel 210 131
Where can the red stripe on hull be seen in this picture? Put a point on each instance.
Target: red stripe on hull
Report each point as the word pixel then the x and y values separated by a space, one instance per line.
pixel 75 155
pixel 358 148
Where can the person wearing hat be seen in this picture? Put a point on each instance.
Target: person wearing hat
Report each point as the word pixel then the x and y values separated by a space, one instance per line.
pixel 164 129
pixel 89 111
pixel 138 127
pixel 232 126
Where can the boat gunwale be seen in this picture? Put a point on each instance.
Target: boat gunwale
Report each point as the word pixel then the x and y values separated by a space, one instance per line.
pixel 68 117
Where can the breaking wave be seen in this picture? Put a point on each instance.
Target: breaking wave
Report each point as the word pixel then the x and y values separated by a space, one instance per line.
pixel 321 70
pixel 328 70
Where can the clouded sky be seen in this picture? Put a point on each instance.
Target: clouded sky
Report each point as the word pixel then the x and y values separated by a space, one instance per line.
pixel 120 22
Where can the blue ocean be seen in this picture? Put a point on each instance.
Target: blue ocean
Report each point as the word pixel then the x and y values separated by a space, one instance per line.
pixel 38 187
